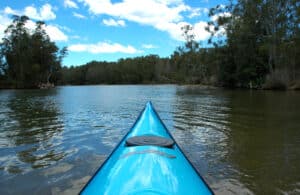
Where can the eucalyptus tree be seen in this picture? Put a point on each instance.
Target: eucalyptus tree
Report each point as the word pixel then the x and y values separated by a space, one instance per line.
pixel 261 37
pixel 187 59
pixel 29 57
pixel 14 50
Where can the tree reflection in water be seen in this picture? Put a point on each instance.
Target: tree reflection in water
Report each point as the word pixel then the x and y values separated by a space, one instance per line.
pixel 263 134
pixel 36 130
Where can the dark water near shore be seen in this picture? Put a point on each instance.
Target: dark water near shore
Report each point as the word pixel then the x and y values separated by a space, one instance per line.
pixel 241 142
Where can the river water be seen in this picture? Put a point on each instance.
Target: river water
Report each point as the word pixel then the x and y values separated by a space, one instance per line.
pixel 240 141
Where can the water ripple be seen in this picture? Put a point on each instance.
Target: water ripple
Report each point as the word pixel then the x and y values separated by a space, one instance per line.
pixel 241 142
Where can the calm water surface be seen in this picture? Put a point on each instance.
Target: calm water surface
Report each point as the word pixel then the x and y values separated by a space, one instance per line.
pixel 242 142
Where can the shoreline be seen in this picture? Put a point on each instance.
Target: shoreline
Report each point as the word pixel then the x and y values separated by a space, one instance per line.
pixel 290 88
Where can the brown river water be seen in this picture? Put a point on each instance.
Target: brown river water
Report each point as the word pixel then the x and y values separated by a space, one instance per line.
pixel 240 141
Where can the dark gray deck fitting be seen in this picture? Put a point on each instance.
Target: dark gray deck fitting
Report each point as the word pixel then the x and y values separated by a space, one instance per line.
pixel 150 140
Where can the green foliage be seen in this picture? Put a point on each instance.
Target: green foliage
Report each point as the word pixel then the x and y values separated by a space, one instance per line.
pixel 29 58
pixel 190 64
pixel 145 69
pixel 262 36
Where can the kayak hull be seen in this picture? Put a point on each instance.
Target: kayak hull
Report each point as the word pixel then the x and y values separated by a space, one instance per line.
pixel 147 169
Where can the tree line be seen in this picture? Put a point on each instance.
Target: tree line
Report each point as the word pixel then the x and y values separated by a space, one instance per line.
pixel 261 50
pixel 148 69
pixel 258 47
pixel 189 64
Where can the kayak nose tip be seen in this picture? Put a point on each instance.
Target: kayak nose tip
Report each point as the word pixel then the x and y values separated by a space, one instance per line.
pixel 149 104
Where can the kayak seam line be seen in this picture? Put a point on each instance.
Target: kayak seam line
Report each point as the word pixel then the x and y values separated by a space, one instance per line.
pixel 164 154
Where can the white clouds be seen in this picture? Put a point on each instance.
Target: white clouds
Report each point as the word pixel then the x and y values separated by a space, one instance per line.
pixel 103 47
pixel 161 14
pixel 80 16
pixel 200 32
pixel 9 10
pixel 224 14
pixel 4 22
pixel 164 15
pixel 194 12
pixel 30 25
pixel 149 46
pixel 70 4
pixel 75 37
pixel 112 22
pixel 55 33
pixel 174 29
pixel 44 13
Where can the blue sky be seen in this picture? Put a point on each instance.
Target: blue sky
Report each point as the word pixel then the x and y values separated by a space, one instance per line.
pixel 106 30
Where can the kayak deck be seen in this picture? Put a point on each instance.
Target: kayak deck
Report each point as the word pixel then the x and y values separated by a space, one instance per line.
pixel 147 168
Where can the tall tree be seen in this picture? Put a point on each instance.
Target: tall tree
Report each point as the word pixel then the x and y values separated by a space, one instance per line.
pixel 187 59
pixel 260 35
pixel 29 58
pixel 14 49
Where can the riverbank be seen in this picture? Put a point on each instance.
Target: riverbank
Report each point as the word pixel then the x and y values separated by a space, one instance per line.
pixel 277 84
pixel 7 85
pixel 274 86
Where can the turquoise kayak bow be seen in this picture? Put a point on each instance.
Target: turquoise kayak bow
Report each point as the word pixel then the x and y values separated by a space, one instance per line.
pixel 147 161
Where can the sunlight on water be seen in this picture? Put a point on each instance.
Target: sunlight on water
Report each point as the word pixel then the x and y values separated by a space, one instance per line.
pixel 242 142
